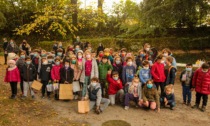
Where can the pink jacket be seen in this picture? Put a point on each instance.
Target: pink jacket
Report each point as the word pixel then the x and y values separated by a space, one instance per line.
pixel 55 72
pixel 12 75
pixel 158 72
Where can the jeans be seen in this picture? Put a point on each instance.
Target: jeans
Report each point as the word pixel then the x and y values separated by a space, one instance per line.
pixel 13 86
pixel 186 92
pixel 104 101
pixel 119 96
pixel 198 99
pixel 85 85
pixel 26 86
pixel 129 97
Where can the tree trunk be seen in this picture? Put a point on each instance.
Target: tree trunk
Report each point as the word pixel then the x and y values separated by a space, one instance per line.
pixel 100 13
pixel 74 19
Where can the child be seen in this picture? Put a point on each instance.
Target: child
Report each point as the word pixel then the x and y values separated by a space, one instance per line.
pixel 104 67
pixel 13 77
pixel 115 88
pixel 100 56
pixel 168 97
pixel 123 52
pixel 95 96
pixel 140 58
pixel 107 53
pixel 201 84
pixel 77 73
pixel 79 58
pixel 150 96
pixel 66 74
pixel 44 75
pixel 145 74
pixel 128 73
pixel 157 72
pixel 117 66
pixel 55 73
pixel 170 72
pixel 134 93
pixel 186 79
pixel 20 63
pixel 60 53
pixel 29 74
pixel 89 70
pixel 167 52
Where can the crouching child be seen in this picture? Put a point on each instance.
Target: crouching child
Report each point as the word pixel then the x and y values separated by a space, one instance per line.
pixel 168 97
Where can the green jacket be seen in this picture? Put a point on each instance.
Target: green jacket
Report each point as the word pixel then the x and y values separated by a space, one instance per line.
pixel 103 69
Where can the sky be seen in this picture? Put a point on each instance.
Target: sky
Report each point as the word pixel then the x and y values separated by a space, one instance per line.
pixel 107 6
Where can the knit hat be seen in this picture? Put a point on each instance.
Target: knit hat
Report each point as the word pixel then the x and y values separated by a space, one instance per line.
pixel 79 51
pixel 11 56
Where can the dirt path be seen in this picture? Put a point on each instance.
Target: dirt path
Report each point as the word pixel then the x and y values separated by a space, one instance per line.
pixel 60 113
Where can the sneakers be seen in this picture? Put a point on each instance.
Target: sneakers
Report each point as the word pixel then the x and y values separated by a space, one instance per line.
pixel 23 97
pixel 32 97
pixel 126 107
pixel 203 109
pixel 172 108
pixel 13 97
pixel 76 97
pixel 98 111
pixel 196 106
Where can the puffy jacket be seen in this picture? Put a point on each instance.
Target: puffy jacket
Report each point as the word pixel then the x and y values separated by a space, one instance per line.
pixel 157 72
pixel 28 73
pixel 201 81
pixel 12 75
pixel 55 72
pixel 45 72
pixel 66 75
pixel 114 86
pixel 103 69
pixel 170 74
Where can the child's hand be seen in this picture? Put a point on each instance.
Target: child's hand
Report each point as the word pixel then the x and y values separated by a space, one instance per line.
pixel 192 89
pixel 118 81
pixel 109 72
pixel 166 103
pixel 165 99
pixel 158 110
pixel 66 82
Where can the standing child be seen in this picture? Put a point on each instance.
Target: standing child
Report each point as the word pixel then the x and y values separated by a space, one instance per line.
pixel 20 63
pixel 201 84
pixel 89 70
pixel 55 73
pixel 29 74
pixel 134 93
pixel 158 74
pixel 44 75
pixel 117 66
pixel 104 67
pixel 77 73
pixel 186 79
pixel 13 77
pixel 95 96
pixel 66 74
pixel 115 89
pixel 150 97
pixel 128 73
pixel 168 97
pixel 170 72
pixel 145 74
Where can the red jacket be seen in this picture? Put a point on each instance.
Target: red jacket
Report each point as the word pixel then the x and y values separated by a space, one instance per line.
pixel 114 87
pixel 55 72
pixel 157 72
pixel 12 75
pixel 201 81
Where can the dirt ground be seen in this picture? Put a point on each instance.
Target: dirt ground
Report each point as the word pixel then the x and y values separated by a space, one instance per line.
pixel 60 113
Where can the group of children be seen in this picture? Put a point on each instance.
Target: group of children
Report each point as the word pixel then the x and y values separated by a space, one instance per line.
pixel 109 77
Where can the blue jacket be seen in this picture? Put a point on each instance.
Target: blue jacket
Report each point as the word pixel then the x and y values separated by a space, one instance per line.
pixel 144 75
pixel 128 74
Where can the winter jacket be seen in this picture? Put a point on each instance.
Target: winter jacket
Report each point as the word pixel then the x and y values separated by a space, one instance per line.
pixel 94 71
pixel 28 73
pixel 191 78
pixel 55 72
pixel 151 95
pixel 95 94
pixel 20 63
pixel 45 72
pixel 103 69
pixel 66 75
pixel 77 72
pixel 128 74
pixel 12 75
pixel 11 49
pixel 170 74
pixel 139 61
pixel 131 90
pixel 118 68
pixel 201 81
pixel 114 86
pixel 144 75
pixel 157 72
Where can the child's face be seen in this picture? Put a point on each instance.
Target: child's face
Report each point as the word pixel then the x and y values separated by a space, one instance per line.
pixel 123 53
pixel 115 76
pixel 168 91
pixel 104 60
pixel 147 65
pixel 135 82
pixel 168 63
pixel 188 66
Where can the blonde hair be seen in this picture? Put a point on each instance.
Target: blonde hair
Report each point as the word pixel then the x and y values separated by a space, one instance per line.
pixel 169 87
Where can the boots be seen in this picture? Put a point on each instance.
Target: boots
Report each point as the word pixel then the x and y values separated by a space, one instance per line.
pixel 203 109
pixel 196 106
